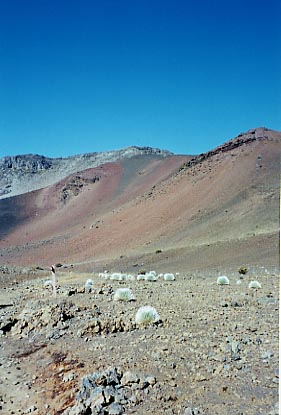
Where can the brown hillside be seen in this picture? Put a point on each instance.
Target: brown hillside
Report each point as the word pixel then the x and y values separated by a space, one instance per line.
pixel 133 208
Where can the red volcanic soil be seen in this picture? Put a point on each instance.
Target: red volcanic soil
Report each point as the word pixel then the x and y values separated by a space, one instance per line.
pixel 136 207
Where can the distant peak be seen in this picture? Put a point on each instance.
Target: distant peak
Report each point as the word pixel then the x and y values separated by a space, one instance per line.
pixel 254 134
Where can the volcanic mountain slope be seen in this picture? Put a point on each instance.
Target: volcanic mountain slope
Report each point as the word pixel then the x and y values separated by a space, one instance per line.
pixel 24 173
pixel 225 203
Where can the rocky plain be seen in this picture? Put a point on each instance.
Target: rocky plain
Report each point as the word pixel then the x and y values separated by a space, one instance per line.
pixel 213 349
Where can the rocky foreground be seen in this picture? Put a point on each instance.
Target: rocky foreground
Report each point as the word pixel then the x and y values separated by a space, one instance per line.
pixel 214 349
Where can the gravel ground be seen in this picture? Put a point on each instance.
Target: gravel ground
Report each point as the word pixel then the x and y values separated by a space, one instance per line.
pixel 214 350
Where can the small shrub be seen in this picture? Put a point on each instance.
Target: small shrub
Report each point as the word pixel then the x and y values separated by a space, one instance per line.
pixel 146 315
pixel 169 277
pixel 243 270
pixel 141 277
pixel 254 284
pixel 124 294
pixel 123 277
pixel 158 251
pixel 115 276
pixel 223 280
pixel 89 285
pixel 150 277
pixel 131 277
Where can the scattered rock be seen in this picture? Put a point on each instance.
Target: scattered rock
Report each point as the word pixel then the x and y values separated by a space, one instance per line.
pixel 192 411
pixel 109 392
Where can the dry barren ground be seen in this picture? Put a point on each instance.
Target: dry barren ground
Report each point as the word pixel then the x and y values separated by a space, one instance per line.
pixel 215 350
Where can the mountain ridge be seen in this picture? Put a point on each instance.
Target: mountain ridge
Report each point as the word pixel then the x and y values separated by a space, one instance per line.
pixel 141 205
pixel 28 172
pixel 23 173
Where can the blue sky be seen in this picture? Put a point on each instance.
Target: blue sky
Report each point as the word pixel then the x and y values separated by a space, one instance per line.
pixel 83 76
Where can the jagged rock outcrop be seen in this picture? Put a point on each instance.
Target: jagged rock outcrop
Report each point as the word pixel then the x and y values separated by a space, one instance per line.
pixel 25 173
pixel 28 162
pixel 260 133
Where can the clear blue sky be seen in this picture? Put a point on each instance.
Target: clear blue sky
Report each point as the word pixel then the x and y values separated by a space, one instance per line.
pixel 95 75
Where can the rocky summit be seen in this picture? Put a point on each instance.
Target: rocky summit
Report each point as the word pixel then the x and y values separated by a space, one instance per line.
pixel 24 173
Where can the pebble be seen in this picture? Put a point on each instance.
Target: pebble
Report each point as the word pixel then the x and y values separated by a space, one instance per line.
pixel 31 409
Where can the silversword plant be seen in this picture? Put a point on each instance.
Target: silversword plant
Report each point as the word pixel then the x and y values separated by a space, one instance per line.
pixel 146 315
pixel 89 285
pixel 254 284
pixel 124 294
pixel 169 277
pixel 223 280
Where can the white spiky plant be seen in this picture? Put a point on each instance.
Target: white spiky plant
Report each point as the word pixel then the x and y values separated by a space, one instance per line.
pixel 124 294
pixel 140 277
pixel 89 285
pixel 150 277
pixel 115 276
pixel 146 315
pixel 254 284
pixel 123 277
pixel 223 280
pixel 131 277
pixel 169 277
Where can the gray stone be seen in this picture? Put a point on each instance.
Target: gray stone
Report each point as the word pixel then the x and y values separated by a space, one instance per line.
pixel 31 409
pixel 235 346
pixel 78 409
pixel 129 378
pixel 151 380
pixel 267 355
pixel 68 377
pixel 115 409
pixel 236 304
pixel 109 394
pixel 192 411
pixel 96 398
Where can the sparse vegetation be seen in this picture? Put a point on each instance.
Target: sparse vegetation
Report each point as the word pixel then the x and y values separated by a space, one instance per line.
pixel 131 277
pixel 116 276
pixel 146 315
pixel 151 276
pixel 141 277
pixel 254 284
pixel 89 285
pixel 223 280
pixel 124 294
pixel 169 277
